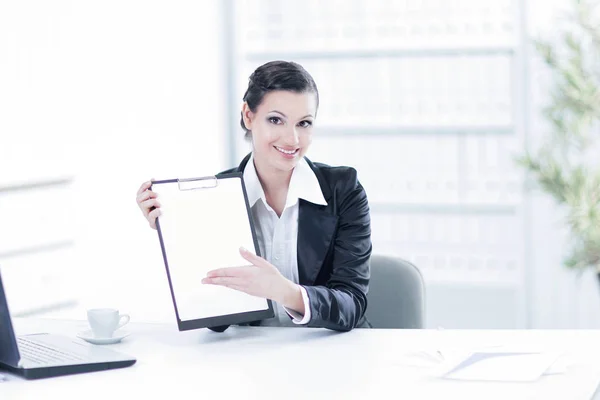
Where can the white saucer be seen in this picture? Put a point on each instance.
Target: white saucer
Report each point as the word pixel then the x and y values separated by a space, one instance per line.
pixel 88 336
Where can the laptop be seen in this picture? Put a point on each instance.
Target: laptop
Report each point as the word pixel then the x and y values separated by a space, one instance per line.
pixel 46 355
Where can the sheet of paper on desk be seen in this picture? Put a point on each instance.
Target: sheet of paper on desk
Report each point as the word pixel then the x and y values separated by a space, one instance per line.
pixel 500 366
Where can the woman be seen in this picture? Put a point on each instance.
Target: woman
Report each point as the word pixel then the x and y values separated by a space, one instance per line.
pixel 312 220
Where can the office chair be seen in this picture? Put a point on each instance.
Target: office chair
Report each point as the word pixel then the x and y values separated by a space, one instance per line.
pixel 396 297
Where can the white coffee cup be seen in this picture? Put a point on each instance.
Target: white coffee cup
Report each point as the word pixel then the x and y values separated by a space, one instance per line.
pixel 105 321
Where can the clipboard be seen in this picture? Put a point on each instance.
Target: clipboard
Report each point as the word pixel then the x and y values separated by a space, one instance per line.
pixel 204 222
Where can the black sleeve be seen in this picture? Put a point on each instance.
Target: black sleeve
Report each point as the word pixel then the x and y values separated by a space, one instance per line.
pixel 341 303
pixel 219 329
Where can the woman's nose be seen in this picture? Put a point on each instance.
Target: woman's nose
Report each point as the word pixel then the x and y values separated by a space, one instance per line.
pixel 292 138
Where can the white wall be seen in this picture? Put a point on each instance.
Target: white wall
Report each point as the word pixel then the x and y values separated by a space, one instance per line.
pixel 124 91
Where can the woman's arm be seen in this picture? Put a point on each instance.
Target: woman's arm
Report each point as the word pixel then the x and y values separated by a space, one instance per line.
pixel 342 302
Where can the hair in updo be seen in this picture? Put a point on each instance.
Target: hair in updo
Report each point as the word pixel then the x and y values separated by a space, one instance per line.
pixel 276 75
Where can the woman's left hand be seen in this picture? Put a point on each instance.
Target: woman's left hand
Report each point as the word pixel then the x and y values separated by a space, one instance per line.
pixel 261 279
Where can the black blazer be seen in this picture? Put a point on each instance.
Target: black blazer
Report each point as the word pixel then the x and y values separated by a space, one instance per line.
pixel 334 249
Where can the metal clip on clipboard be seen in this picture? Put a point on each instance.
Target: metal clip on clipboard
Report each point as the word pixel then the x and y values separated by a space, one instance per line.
pixel 206 182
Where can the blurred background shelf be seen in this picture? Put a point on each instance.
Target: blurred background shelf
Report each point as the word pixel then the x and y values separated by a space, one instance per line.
pixel 42 248
pixel 37 241
pixel 420 97
pixel 14 183
pixel 391 53
pixel 386 130
pixel 416 208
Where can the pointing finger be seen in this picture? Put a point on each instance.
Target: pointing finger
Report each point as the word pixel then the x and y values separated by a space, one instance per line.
pixel 233 272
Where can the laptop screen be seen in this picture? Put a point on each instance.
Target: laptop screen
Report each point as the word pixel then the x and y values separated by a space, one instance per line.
pixel 9 351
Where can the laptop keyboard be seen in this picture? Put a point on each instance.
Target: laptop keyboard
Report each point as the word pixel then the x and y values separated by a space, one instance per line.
pixel 42 354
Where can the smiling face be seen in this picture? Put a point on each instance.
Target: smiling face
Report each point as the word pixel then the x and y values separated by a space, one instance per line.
pixel 281 128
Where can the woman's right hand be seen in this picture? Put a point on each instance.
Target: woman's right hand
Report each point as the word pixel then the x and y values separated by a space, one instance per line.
pixel 148 203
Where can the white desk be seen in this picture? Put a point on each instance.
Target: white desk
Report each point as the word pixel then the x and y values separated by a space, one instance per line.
pixel 303 363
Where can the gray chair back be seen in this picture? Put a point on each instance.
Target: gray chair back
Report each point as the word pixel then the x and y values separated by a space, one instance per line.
pixel 396 297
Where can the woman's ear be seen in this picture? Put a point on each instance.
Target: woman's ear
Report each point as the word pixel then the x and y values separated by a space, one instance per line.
pixel 247 115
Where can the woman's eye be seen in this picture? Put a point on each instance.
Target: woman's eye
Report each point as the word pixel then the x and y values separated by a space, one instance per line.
pixel 275 120
pixel 305 124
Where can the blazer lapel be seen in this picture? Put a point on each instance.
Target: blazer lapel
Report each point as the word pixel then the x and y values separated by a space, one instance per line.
pixel 316 227
pixel 242 165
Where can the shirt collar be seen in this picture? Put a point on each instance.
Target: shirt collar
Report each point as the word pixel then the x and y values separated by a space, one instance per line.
pixel 303 185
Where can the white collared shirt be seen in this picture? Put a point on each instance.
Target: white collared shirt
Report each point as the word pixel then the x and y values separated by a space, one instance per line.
pixel 278 236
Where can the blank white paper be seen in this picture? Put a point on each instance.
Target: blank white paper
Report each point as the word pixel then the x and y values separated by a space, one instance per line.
pixel 501 366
